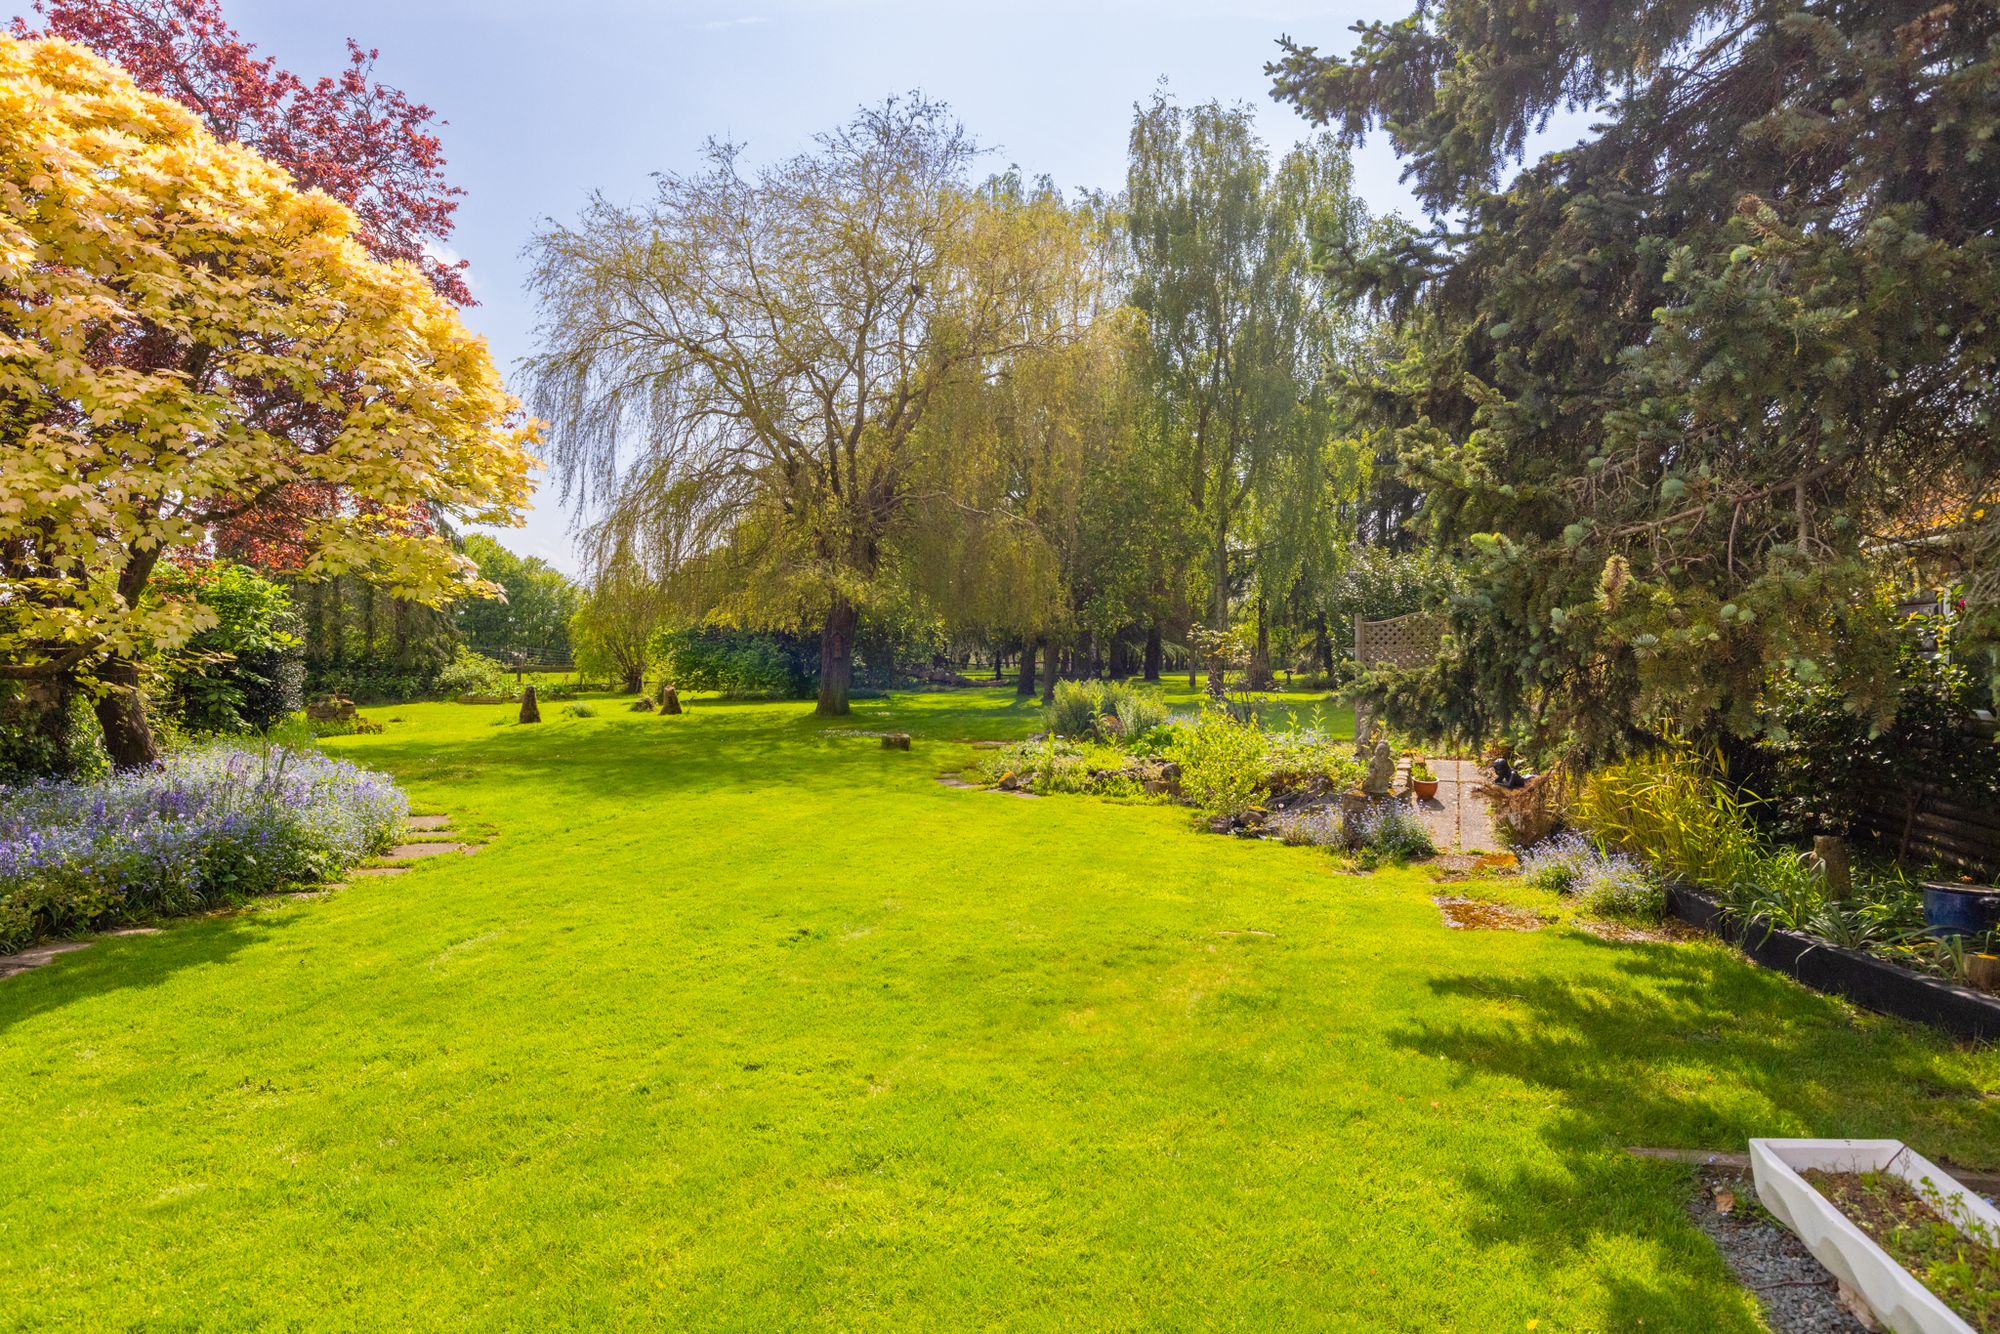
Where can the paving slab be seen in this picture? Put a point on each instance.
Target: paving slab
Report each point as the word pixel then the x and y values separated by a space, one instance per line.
pixel 405 851
pixel 1459 819
pixel 37 955
pixel 424 822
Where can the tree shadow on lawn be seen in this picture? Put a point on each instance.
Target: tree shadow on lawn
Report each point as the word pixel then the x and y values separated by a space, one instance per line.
pixel 137 962
pixel 1682 1046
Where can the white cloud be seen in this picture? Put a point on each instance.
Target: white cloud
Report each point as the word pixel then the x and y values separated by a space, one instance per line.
pixel 717 25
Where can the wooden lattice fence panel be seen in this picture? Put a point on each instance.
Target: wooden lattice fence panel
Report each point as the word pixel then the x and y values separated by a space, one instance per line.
pixel 1399 641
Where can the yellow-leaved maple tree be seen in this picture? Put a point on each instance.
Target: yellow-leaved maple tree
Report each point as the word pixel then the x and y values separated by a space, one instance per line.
pixel 184 335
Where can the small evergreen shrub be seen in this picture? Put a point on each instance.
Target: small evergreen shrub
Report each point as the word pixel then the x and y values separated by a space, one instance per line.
pixel 578 711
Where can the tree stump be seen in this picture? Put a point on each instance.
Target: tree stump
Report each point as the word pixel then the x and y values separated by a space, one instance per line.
pixel 530 711
pixel 642 705
pixel 670 700
pixel 1831 854
pixel 896 741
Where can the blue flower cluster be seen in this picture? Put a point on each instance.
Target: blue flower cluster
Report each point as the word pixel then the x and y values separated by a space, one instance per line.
pixel 203 827
pixel 1612 883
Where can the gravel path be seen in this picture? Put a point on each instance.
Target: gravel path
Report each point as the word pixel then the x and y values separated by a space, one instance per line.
pixel 1798 1296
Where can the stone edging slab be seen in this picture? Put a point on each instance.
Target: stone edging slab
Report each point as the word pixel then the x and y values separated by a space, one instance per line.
pixel 1872 983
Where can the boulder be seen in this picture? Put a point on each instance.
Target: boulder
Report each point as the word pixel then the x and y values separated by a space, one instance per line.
pixel 896 741
pixel 642 705
pixel 331 709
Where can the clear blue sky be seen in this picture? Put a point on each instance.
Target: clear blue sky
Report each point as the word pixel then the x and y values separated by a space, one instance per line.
pixel 549 101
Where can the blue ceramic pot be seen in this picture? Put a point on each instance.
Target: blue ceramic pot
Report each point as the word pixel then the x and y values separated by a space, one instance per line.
pixel 1961 910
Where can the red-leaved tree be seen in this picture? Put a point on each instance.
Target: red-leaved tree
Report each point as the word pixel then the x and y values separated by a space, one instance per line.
pixel 363 142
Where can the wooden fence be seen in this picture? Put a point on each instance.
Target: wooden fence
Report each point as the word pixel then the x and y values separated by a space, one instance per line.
pixel 1958 829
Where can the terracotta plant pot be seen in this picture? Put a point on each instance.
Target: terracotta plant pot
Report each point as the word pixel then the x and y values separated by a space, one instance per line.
pixel 1983 971
pixel 1425 788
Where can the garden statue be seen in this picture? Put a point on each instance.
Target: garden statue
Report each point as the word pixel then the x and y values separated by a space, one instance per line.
pixel 1381 771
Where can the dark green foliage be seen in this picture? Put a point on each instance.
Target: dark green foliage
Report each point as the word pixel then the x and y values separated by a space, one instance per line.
pixel 738 662
pixel 531 624
pixel 367 644
pixel 1676 387
pixel 1824 766
pixel 46 731
pixel 246 672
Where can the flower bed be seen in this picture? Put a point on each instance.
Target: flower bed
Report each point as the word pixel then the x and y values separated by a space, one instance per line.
pixel 204 827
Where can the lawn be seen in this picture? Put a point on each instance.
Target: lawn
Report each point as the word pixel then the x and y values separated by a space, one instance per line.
pixel 740 1023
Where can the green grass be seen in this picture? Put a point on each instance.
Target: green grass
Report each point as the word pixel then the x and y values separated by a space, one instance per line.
pixel 736 1024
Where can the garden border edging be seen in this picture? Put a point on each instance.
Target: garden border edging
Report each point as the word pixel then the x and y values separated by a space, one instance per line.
pixel 1872 983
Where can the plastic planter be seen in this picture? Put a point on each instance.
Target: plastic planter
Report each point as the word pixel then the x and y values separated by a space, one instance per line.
pixel 1961 910
pixel 1898 1300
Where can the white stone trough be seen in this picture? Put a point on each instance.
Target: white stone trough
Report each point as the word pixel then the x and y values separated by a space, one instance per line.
pixel 1897 1298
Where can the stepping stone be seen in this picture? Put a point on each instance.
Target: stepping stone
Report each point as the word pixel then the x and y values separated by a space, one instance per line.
pixel 38 955
pixel 953 780
pixel 429 822
pixel 404 851
pixel 379 870
pixel 135 931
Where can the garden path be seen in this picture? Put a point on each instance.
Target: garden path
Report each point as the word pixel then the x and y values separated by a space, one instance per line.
pixel 1458 817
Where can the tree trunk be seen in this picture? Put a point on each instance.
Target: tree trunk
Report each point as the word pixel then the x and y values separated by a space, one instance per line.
pixel 1155 654
pixel 836 658
pixel 121 712
pixel 1049 677
pixel 635 678
pixel 1026 687
pixel 1260 656
pixel 1323 646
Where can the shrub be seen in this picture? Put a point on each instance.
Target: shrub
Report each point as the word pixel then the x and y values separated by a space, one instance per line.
pixel 203 827
pixel 578 711
pixel 1612 884
pixel 1316 826
pixel 1388 830
pixel 737 662
pixel 1055 765
pixel 1223 762
pixel 1301 760
pixel 247 671
pixel 1075 709
pixel 1823 765
pixel 1560 865
pixel 1138 711
pixel 1080 708
pixel 1672 809
pixel 470 673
